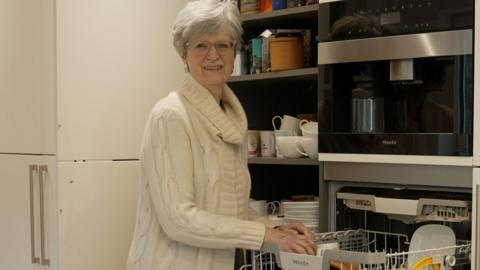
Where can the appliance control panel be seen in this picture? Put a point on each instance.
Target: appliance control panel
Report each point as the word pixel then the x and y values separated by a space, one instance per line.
pixel 368 18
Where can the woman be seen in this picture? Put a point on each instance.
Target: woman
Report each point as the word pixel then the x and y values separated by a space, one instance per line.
pixel 193 204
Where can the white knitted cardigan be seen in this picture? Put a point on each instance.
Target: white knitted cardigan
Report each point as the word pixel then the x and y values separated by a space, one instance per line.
pixel 194 189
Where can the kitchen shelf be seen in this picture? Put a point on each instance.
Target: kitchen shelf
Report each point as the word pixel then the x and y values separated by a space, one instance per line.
pixel 297 16
pixel 282 161
pixel 303 74
pixel 289 92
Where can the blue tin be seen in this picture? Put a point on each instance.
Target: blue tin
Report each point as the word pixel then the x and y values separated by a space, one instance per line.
pixel 279 4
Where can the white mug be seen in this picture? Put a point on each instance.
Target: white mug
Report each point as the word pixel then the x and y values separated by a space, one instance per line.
pixel 253 143
pixel 273 207
pixel 287 146
pixel 240 64
pixel 260 206
pixel 287 122
pixel 307 146
pixel 276 220
pixel 308 128
pixel 267 143
pixel 281 133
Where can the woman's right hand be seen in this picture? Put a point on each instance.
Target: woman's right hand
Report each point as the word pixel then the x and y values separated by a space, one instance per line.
pixel 290 241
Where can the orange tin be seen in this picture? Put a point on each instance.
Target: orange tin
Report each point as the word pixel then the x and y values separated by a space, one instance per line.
pixel 286 53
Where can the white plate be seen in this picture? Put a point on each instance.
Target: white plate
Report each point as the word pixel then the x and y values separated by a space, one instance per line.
pixel 306 215
pixel 429 237
pixel 300 203
pixel 314 228
pixel 303 220
pixel 302 217
pixel 300 207
pixel 314 212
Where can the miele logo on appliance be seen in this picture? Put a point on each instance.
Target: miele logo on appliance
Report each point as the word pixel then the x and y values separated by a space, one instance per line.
pixel 389 142
pixel 297 262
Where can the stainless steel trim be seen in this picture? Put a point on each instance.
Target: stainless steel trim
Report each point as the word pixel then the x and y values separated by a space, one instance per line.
pixel 382 173
pixel 458 42
pixel 477 233
pixel 42 169
pixel 32 169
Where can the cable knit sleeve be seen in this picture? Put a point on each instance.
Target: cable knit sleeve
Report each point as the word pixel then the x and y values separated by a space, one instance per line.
pixel 167 158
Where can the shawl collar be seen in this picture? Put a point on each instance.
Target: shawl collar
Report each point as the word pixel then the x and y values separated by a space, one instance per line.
pixel 231 124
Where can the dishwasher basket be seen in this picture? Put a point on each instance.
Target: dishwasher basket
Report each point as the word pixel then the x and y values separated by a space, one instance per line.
pixel 260 260
pixel 362 250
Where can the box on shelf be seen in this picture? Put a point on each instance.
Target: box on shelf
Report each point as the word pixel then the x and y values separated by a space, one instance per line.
pixel 265 54
pixel 303 52
pixel 286 53
pixel 279 4
pixel 265 5
pixel 249 6
pixel 255 55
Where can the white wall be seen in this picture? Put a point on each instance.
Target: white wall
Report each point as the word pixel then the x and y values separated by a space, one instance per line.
pixel 115 60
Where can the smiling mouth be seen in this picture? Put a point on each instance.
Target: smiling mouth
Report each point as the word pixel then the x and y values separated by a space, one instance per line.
pixel 213 68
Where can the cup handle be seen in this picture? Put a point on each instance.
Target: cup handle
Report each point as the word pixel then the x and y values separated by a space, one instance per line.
pixel 302 122
pixel 298 146
pixel 273 121
pixel 274 207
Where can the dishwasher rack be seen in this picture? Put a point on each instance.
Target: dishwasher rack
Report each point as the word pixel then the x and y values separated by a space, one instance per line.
pixel 360 250
pixel 260 260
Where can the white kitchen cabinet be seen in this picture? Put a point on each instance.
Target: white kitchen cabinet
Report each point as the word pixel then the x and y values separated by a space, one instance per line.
pixel 28 212
pixel 115 60
pixel 27 76
pixel 77 81
pixel 97 203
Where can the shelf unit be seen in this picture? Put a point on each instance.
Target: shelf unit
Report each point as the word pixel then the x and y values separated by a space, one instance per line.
pixel 303 75
pixel 298 16
pixel 288 92
pixel 268 94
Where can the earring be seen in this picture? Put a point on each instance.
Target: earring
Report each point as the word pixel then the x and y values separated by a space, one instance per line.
pixel 185 67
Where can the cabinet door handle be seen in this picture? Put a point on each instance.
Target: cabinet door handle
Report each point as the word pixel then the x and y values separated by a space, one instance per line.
pixel 35 259
pixel 43 170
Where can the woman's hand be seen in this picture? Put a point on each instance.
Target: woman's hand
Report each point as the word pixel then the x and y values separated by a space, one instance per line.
pixel 290 239
pixel 297 227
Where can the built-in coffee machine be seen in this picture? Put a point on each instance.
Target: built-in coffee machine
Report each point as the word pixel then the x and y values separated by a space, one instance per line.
pixel 396 77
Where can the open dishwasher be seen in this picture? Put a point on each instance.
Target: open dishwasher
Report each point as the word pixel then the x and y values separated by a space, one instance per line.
pixel 378 224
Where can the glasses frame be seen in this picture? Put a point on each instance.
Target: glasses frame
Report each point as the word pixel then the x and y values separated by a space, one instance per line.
pixel 220 51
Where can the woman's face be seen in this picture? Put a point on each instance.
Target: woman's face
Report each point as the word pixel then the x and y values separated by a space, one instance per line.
pixel 210 59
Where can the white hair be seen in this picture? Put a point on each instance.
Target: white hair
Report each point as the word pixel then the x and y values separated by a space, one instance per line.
pixel 206 17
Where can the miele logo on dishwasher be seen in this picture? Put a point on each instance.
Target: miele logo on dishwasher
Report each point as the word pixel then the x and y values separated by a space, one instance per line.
pixel 389 142
pixel 298 262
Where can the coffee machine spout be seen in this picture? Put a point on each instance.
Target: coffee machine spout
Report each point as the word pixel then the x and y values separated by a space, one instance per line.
pixel 401 70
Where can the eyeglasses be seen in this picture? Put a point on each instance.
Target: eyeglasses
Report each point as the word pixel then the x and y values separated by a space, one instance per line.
pixel 202 48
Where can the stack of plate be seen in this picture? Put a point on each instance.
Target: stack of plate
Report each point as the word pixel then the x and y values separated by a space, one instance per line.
pixel 306 212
